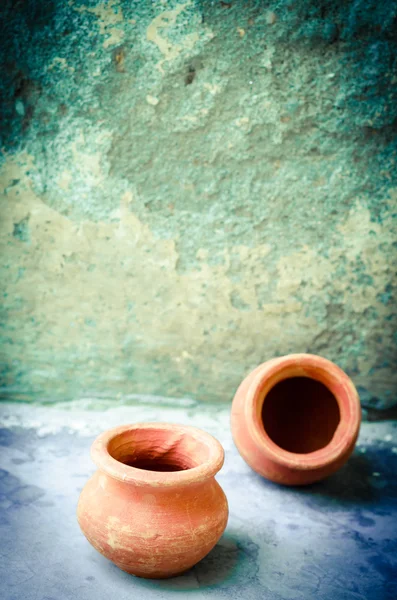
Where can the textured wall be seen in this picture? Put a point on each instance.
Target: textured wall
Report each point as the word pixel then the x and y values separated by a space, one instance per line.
pixel 189 189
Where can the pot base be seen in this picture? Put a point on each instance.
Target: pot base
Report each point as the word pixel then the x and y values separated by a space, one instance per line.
pixel 154 576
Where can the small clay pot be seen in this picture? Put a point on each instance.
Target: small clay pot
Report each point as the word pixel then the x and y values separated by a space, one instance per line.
pixel 295 419
pixel 154 507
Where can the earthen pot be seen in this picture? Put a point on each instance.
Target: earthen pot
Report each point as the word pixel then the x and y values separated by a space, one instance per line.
pixel 154 507
pixel 295 419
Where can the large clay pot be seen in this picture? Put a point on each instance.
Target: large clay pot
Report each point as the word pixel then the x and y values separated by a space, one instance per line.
pixel 154 507
pixel 295 419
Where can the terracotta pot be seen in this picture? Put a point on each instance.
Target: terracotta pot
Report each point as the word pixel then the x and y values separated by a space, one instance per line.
pixel 154 507
pixel 295 419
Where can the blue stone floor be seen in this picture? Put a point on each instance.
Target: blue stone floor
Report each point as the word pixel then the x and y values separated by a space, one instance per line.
pixel 333 540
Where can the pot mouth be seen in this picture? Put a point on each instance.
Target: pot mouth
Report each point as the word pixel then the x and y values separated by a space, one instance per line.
pixel 157 454
pixel 285 416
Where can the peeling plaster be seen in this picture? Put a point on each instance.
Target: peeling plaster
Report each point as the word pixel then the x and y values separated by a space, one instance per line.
pixel 110 17
pixel 164 21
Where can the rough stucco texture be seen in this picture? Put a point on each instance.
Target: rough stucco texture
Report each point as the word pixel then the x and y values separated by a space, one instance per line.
pixel 190 189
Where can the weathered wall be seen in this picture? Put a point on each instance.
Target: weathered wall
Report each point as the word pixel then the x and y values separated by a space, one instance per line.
pixel 191 188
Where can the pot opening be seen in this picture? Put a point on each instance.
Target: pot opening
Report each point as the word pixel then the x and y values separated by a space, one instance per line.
pixel 300 415
pixel 158 450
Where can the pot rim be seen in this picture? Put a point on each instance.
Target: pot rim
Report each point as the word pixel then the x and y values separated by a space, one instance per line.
pixel 317 368
pixel 142 477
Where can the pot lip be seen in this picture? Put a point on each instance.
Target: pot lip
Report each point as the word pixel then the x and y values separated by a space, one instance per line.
pixel 315 367
pixel 141 477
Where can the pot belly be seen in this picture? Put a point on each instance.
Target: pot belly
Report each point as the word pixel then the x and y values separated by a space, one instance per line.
pixel 148 533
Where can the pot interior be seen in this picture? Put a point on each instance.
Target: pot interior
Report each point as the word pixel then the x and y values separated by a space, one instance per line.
pixel 300 415
pixel 162 450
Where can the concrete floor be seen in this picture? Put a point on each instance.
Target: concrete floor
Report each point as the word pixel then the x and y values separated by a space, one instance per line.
pixel 333 540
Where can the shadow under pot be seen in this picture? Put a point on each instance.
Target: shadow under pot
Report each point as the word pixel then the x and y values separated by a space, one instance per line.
pixel 154 507
pixel 295 419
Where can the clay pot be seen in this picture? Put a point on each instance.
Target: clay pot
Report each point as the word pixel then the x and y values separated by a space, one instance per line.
pixel 154 507
pixel 295 419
